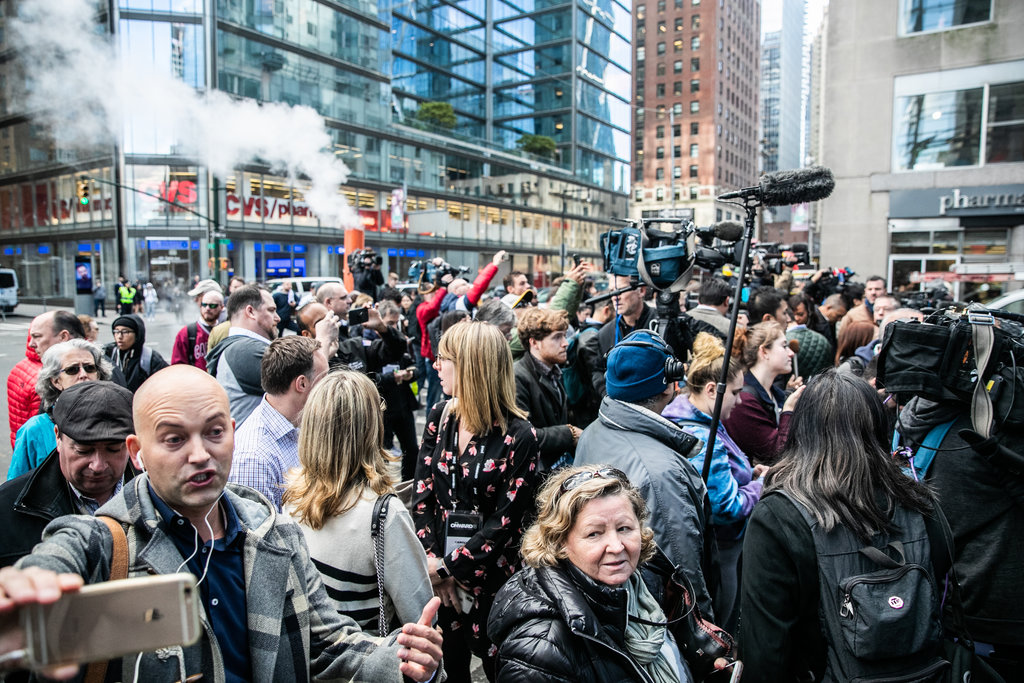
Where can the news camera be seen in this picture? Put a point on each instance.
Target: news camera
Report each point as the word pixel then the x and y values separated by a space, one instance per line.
pixel 969 357
pixel 434 273
pixel 364 259
pixel 661 252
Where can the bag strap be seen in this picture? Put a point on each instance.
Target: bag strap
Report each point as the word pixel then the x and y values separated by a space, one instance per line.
pixel 380 515
pixel 983 337
pixel 97 671
pixel 879 557
pixel 192 330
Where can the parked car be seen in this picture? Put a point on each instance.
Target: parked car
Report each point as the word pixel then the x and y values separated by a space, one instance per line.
pixel 8 289
pixel 1012 302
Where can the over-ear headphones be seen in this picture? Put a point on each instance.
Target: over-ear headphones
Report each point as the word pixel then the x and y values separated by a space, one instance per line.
pixel 675 369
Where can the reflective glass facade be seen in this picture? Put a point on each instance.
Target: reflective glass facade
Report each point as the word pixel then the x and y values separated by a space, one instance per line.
pixel 542 68
pixel 560 70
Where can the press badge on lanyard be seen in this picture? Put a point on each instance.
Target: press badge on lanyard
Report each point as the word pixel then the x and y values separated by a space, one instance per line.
pixel 461 525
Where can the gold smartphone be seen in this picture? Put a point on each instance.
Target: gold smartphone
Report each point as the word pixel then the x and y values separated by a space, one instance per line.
pixel 112 619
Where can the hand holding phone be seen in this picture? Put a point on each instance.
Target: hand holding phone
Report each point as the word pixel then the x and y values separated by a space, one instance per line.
pixel 20 588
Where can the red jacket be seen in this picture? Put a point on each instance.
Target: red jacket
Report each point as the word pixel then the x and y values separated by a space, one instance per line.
pixel 22 399
pixel 429 310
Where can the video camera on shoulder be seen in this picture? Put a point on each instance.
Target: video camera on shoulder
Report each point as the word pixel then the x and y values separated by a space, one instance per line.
pixel 430 274
pixel 364 259
pixel 662 252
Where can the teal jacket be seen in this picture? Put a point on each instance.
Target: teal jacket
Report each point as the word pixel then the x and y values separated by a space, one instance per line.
pixel 35 440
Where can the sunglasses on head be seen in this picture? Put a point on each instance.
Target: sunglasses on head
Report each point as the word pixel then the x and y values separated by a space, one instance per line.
pixel 73 370
pixel 580 478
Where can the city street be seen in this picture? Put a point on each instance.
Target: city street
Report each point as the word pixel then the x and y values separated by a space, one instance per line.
pixel 14 332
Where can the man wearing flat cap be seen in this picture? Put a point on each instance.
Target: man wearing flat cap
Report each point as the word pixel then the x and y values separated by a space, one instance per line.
pixel 86 469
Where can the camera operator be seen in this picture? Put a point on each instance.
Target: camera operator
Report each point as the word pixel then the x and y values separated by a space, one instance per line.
pixel 365 268
pixel 986 517
pixel 631 314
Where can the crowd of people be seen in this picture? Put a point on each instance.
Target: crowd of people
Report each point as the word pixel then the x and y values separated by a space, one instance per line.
pixel 551 519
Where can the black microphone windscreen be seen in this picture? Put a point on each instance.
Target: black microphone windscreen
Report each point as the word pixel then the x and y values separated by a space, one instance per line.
pixel 784 188
pixel 728 231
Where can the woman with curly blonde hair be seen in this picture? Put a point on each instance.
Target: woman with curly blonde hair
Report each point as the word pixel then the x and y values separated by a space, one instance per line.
pixel 598 601
pixel 476 477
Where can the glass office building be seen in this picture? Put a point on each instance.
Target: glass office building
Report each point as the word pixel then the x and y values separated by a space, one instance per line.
pixel 467 189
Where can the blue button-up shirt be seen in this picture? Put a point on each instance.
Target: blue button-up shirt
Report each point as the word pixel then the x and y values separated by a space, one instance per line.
pixel 223 588
pixel 266 447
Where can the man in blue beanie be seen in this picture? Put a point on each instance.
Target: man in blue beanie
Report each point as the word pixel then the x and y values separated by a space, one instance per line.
pixel 631 434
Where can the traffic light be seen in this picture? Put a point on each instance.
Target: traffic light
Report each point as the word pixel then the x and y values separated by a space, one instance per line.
pixel 83 191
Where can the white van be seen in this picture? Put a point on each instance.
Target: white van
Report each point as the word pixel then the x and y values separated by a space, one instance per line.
pixel 8 289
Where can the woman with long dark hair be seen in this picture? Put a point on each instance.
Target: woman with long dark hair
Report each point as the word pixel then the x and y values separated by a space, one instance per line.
pixel 835 484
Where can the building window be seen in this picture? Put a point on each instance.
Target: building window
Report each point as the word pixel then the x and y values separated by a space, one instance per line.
pixel 694 127
pixel 677 66
pixel 695 3
pixel 677 88
pixel 659 90
pixel 693 192
pixel 641 27
pixel 679 24
pixel 694 151
pixel 660 69
pixel 661 48
pixel 677 130
pixel 693 171
pixel 694 106
pixel 1005 141
pixel 695 85
pixel 677 193
pixel 677 108
pixel 638 194
pixel 661 5
pixel 640 54
pixel 917 16
pixel 677 152
pixel 659 194
pixel 660 111
pixel 661 27
pixel 659 132
pixel 678 4
pixel 695 64
pixel 641 10
pixel 677 45
pixel 677 171
pixel 659 173
pixel 659 153
pixel 695 22
pixel 944 129
pixel 695 43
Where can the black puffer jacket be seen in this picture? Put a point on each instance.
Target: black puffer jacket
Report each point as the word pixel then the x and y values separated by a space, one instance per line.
pixel 557 624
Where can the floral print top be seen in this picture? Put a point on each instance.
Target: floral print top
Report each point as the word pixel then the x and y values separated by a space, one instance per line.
pixel 496 476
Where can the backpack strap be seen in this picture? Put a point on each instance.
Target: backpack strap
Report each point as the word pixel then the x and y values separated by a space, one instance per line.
pixel 146 359
pixel 192 330
pixel 380 515
pixel 97 671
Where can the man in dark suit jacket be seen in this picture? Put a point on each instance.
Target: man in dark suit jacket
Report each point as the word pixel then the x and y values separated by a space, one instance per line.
pixel 286 302
pixel 88 467
pixel 539 388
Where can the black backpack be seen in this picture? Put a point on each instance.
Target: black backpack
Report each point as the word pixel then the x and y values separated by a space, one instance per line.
pixel 878 604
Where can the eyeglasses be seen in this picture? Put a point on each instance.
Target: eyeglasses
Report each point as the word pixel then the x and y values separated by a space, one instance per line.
pixel 578 479
pixel 73 370
pixel 210 306
pixel 122 332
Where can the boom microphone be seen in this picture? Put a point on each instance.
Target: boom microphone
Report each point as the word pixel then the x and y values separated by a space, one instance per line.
pixel 784 188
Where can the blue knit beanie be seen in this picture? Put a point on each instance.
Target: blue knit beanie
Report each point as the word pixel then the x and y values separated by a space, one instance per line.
pixel 636 367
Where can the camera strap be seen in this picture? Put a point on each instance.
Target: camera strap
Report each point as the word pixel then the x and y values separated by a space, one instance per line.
pixel 983 339
pixel 97 671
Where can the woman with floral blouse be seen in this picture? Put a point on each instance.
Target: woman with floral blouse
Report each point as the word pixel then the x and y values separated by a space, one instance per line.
pixel 476 479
